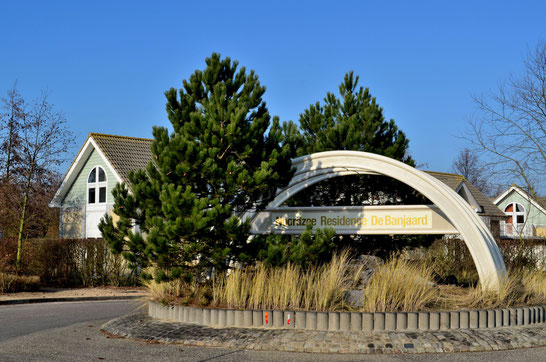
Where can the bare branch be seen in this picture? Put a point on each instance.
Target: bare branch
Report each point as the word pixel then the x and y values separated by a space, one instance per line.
pixel 509 131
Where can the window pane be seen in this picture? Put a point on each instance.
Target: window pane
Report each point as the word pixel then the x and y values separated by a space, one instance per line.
pixel 521 219
pixel 519 208
pixel 92 176
pixel 91 198
pixel 102 175
pixel 102 194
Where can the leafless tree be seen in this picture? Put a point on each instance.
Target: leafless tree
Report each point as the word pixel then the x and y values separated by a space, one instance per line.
pixel 10 131
pixel 42 140
pixel 474 170
pixel 510 128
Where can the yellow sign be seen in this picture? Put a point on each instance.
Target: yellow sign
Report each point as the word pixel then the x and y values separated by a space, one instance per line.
pixel 411 219
pixel 403 221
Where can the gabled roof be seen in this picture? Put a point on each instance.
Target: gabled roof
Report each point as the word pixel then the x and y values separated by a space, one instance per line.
pixel 539 202
pixel 125 153
pixel 456 182
pixel 121 154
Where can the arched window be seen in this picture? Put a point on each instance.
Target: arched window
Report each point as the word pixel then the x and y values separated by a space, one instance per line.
pixel 516 213
pixel 96 186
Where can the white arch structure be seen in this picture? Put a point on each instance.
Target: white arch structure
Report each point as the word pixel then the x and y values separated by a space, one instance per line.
pixel 316 167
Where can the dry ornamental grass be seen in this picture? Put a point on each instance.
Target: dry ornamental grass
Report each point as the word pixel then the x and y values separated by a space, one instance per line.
pixel 397 285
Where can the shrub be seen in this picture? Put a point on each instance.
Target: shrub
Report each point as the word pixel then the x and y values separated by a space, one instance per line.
pixel 451 262
pixel 11 283
pixel 520 287
pixel 305 250
pixel 8 251
pixel 68 262
pixel 523 254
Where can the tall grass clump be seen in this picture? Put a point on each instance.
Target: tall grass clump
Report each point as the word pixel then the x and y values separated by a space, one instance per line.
pixel 399 285
pixel 520 287
pixel 178 291
pixel 164 292
pixel 534 282
pixel 332 281
pixel 320 288
pixel 510 293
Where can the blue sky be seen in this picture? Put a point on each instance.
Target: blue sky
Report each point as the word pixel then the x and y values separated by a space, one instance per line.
pixel 106 65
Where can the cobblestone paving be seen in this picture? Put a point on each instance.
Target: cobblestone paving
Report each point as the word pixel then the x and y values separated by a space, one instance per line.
pixel 141 326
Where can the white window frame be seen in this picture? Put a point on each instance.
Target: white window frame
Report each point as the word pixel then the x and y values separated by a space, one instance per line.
pixel 514 213
pixel 97 185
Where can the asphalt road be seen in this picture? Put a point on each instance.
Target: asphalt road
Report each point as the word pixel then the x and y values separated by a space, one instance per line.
pixel 71 332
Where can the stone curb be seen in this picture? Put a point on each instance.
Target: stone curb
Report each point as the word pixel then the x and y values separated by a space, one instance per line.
pixel 352 321
pixel 141 327
pixel 68 299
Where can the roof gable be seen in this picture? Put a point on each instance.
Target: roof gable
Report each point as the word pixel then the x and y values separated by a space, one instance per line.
pixel 120 154
pixel 476 198
pixel 125 154
pixel 538 203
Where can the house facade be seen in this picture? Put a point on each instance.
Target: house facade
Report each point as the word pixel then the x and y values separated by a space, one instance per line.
pixel 526 216
pixel 85 194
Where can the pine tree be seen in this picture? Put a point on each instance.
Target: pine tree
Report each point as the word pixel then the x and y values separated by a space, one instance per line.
pixel 224 157
pixel 354 121
pixel 310 248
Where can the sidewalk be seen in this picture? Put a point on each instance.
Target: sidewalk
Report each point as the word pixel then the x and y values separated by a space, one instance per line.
pixel 63 294
pixel 142 327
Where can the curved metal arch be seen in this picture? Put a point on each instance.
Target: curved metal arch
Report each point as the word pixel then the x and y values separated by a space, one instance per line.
pixel 316 167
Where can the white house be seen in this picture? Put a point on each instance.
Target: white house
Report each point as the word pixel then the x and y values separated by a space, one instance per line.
pixel 85 194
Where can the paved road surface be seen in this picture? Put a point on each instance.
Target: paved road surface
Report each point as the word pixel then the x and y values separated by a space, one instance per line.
pixel 22 319
pixel 70 332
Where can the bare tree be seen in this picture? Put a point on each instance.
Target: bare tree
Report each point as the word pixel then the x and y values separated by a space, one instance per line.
pixel 472 168
pixel 38 140
pixel 10 131
pixel 510 128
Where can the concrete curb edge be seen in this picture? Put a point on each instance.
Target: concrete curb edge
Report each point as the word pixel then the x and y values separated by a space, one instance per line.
pixel 352 321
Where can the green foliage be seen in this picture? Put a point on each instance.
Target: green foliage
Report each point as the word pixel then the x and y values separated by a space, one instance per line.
pixel 304 250
pixel 224 157
pixel 354 121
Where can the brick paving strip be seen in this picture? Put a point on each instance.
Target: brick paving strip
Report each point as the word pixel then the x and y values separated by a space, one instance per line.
pixel 143 327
